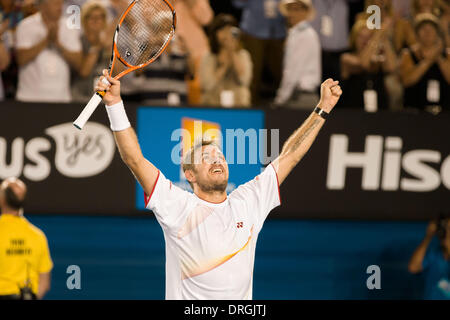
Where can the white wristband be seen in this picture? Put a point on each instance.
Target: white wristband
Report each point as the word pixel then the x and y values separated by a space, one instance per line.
pixel 118 117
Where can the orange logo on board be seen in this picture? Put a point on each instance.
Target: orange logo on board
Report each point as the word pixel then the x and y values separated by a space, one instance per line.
pixel 195 130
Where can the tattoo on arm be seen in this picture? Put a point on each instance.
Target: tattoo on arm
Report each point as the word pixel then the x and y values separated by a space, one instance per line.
pixel 299 140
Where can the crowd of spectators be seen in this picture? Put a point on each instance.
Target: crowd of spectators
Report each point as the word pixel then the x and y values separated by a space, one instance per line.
pixel 271 53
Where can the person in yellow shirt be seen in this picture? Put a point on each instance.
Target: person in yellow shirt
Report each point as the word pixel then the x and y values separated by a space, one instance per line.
pixel 25 262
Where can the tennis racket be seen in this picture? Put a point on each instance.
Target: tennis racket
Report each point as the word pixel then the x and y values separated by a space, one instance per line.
pixel 142 34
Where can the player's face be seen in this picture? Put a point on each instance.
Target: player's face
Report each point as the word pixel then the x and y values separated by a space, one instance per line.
pixel 212 173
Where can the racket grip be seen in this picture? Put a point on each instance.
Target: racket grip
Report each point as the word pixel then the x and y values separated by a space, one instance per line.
pixel 88 111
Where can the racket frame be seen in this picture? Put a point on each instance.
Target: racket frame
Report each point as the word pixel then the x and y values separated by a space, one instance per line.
pixel 98 96
pixel 115 52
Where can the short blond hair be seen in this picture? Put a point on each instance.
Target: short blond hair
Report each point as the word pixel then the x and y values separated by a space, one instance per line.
pixel 87 9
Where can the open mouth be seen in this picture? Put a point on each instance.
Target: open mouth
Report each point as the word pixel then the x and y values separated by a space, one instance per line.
pixel 216 170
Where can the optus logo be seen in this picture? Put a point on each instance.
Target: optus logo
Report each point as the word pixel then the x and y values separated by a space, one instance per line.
pixel 78 154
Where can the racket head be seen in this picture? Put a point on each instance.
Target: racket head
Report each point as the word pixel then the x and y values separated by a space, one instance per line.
pixel 143 33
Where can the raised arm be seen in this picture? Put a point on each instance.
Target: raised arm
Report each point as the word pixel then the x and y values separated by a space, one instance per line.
pixel 144 171
pixel 301 140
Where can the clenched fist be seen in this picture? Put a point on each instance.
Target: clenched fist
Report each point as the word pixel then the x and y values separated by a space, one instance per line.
pixel 330 92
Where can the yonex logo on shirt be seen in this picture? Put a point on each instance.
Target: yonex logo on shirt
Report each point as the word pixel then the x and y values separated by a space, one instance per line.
pixel 240 224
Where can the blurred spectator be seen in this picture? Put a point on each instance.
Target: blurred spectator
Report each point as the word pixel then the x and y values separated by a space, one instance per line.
pixel 5 59
pixel 302 57
pixel 372 57
pixel 163 82
pixel 10 11
pixel 193 16
pixel 10 16
pixel 79 3
pixel 445 21
pixel 400 31
pixel 96 47
pixel 432 257
pixel 116 8
pixel 29 7
pixel 227 70
pixel 25 261
pixel 425 67
pixel 331 23
pixel 402 8
pixel 401 35
pixel 425 6
pixel 264 31
pixel 46 48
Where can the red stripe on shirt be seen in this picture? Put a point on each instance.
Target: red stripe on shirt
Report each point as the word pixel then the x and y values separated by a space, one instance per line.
pixel 278 182
pixel 147 198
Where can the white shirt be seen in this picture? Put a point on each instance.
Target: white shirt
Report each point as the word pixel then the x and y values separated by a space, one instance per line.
pixel 47 77
pixel 210 248
pixel 302 65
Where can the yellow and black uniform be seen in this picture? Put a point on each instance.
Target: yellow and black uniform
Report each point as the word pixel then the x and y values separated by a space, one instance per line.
pixel 24 254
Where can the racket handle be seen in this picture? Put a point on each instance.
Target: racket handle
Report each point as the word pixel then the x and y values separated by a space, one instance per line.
pixel 89 109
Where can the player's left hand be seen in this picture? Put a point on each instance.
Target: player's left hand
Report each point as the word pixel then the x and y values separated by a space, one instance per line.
pixel 330 92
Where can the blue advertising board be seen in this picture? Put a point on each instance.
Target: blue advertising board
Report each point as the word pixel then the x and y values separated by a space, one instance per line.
pixel 166 133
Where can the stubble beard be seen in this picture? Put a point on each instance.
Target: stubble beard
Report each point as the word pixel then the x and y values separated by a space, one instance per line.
pixel 213 187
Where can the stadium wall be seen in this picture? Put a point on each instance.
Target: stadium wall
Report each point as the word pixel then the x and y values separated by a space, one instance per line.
pixel 381 166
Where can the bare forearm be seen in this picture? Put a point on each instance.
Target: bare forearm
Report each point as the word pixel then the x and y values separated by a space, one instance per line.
pixel 415 263
pixel 297 145
pixel 128 146
pixel 73 58
pixel 44 285
pixel 4 57
pixel 42 291
pixel 413 76
pixel 391 58
pixel 88 64
pixel 302 139
pixel 210 81
pixel 368 52
pixel 444 65
pixel 238 66
pixel 25 56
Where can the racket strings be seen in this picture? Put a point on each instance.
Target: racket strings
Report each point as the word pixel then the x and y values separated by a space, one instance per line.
pixel 144 32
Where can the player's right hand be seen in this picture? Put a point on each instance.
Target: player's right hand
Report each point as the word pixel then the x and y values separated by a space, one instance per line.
pixel 112 95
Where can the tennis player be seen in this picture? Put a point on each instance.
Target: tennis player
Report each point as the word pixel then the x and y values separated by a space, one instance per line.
pixel 211 236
